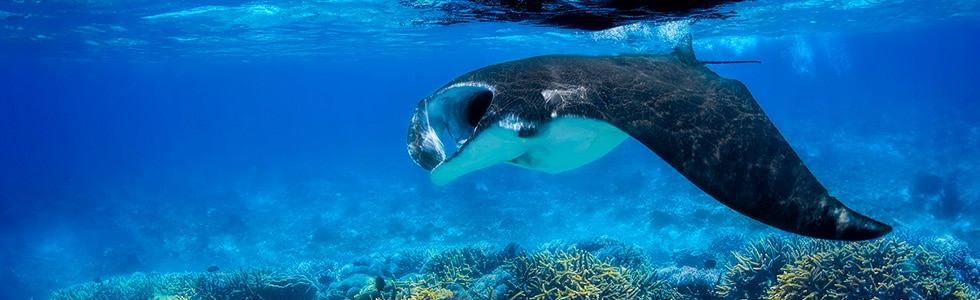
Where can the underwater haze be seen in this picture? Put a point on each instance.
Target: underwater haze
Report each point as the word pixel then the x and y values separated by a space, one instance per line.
pixel 257 150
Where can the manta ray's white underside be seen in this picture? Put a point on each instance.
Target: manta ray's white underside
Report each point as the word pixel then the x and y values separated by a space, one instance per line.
pixel 560 145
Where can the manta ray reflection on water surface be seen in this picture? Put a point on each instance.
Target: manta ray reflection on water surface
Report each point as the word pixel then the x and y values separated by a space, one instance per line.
pixel 557 112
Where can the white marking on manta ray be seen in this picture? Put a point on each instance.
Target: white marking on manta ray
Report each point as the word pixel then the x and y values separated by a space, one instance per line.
pixel 576 93
pixel 512 122
pixel 430 140
pixel 563 144
pixel 485 85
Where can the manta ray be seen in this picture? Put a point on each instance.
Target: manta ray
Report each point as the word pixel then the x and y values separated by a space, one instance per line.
pixel 555 113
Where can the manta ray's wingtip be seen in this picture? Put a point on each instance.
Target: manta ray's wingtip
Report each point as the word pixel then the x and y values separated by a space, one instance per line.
pixel 838 223
pixel 862 233
pixel 862 228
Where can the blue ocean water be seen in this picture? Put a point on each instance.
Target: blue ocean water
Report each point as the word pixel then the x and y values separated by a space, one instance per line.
pixel 171 136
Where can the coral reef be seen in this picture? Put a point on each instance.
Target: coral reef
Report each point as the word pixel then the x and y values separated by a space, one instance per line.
pixel 956 255
pixel 604 248
pixel 773 267
pixel 463 266
pixel 248 283
pixel 755 268
pixel 726 243
pixel 575 274
pixel 881 269
pixel 135 286
pixel 781 268
pixel 691 282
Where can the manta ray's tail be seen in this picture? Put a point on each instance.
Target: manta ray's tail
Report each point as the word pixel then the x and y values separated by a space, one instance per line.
pixel 725 62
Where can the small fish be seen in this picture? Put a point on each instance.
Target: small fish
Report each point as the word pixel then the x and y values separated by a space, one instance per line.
pixel 379 283
pixel 213 269
pixel 710 264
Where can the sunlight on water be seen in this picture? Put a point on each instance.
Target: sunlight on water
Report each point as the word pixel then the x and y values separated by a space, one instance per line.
pixel 645 37
pixel 802 55
pixel 738 45
pixel 328 28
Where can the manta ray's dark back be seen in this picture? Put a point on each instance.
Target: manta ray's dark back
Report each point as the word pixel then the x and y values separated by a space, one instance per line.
pixel 708 128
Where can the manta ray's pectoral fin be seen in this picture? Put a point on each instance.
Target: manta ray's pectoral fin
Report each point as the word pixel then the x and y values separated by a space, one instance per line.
pixel 718 137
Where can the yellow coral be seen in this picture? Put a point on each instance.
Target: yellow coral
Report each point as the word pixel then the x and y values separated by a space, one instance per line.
pixel 462 266
pixel 429 293
pixel 881 269
pixel 425 288
pixel 573 274
pixel 755 267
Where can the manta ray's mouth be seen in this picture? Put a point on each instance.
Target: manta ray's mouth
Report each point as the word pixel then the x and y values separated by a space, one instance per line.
pixel 452 114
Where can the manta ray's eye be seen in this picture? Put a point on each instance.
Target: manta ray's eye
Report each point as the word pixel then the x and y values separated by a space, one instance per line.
pixel 478 106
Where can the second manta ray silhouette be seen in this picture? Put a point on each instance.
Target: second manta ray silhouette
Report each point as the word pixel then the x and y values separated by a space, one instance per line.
pixel 557 112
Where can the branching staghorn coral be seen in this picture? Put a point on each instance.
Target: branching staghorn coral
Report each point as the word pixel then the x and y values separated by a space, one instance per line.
pixel 462 266
pixel 321 272
pixel 425 288
pixel 255 283
pixel 136 286
pixel 650 285
pixel 613 251
pixel 755 268
pixel 577 274
pixel 225 285
pixel 451 274
pixel 175 286
pixel 881 269
pixel 248 283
